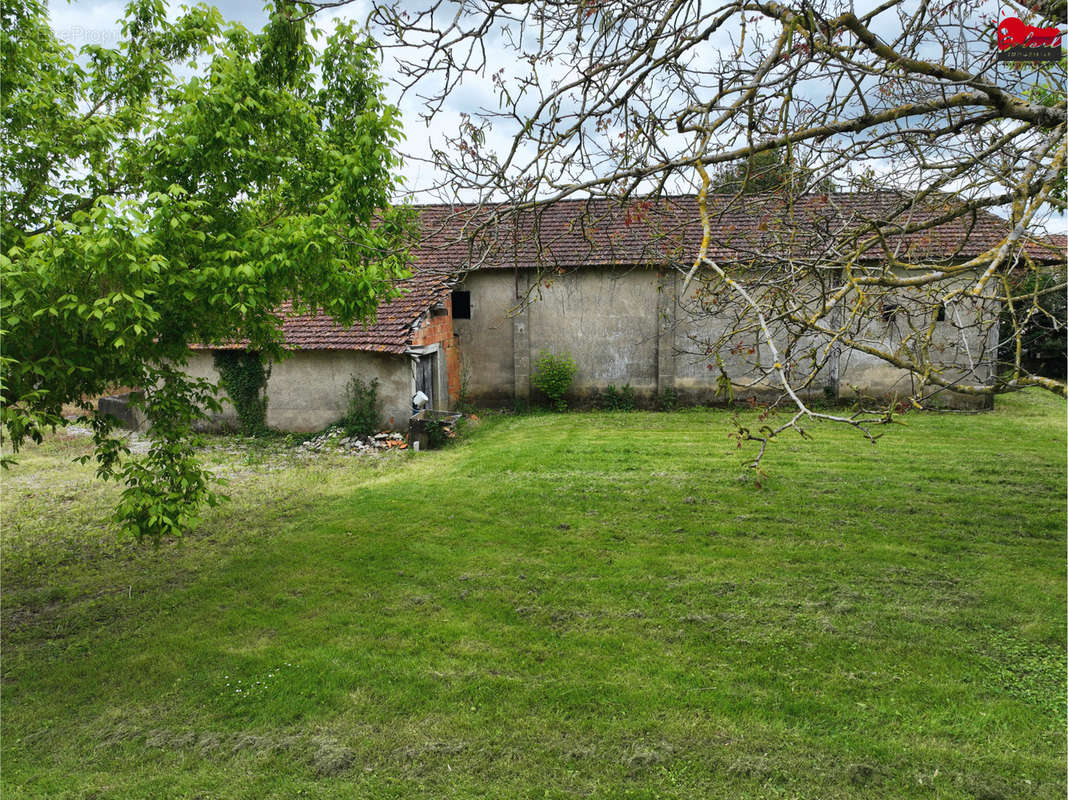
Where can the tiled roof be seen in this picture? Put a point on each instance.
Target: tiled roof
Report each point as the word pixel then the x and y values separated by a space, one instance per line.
pixel 1053 245
pixel 389 333
pixel 576 233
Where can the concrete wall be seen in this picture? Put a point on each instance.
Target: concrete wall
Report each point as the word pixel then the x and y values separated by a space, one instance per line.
pixel 963 348
pixel 306 391
pixel 487 354
pixel 621 326
pixel 606 320
pixel 706 344
pixel 632 326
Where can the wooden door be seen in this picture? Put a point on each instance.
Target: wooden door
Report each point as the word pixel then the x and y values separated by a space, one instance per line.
pixel 424 378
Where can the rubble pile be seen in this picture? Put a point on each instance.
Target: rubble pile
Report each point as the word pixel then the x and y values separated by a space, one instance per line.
pixel 335 439
pixel 138 443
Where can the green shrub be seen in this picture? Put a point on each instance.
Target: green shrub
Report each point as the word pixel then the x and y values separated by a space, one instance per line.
pixel 437 434
pixel 613 399
pixel 553 376
pixel 361 414
pixel 667 400
pixel 243 377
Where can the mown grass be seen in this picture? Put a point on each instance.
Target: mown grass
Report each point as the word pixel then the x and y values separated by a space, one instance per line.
pixel 585 605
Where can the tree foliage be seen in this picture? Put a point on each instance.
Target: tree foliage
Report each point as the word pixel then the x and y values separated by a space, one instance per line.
pixel 176 189
pixel 765 171
pixel 1040 314
pixel 636 102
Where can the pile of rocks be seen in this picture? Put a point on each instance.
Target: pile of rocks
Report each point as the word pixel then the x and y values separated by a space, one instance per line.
pixel 335 439
pixel 138 443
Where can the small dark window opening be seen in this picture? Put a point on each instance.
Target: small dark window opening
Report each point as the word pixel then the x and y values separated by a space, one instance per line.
pixel 888 311
pixel 461 305
pixel 941 315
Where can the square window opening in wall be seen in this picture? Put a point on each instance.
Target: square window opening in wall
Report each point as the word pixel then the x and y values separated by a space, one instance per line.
pixel 461 305
pixel 940 315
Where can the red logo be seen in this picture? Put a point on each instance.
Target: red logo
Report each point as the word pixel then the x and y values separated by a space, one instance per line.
pixel 1028 42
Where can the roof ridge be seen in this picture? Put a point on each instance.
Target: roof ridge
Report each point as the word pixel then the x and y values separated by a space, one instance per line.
pixel 888 193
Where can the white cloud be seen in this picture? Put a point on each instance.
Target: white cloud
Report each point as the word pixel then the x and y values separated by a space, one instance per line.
pixel 85 23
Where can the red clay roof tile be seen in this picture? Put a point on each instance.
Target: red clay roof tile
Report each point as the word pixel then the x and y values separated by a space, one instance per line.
pixel 575 233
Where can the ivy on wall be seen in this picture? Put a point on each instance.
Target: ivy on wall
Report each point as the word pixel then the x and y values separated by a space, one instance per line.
pixel 243 376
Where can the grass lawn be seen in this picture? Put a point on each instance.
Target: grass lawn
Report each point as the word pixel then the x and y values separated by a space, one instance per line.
pixel 582 605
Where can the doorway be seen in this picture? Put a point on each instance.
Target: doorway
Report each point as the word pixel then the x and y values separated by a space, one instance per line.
pixel 426 377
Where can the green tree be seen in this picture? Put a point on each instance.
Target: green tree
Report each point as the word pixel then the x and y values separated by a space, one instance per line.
pixel 176 189
pixel 1038 318
pixel 767 171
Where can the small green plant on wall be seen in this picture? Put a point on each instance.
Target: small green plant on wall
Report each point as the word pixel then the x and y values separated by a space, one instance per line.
pixel 463 400
pixel 361 413
pixel 553 376
pixel 243 376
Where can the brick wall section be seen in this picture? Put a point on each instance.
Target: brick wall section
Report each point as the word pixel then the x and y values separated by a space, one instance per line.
pixel 438 329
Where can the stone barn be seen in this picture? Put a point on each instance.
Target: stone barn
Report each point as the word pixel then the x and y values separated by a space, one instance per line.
pixel 602 282
pixel 409 348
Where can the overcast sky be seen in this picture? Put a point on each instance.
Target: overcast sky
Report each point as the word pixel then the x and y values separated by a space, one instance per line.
pixel 96 22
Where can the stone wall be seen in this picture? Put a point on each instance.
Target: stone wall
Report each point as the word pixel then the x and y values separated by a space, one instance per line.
pixel 306 390
pixel 632 326
pixel 487 351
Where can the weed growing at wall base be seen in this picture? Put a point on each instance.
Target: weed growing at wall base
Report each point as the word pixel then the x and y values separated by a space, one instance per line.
pixel 613 399
pixel 553 376
pixel 667 400
pixel 361 414
pixel 437 433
